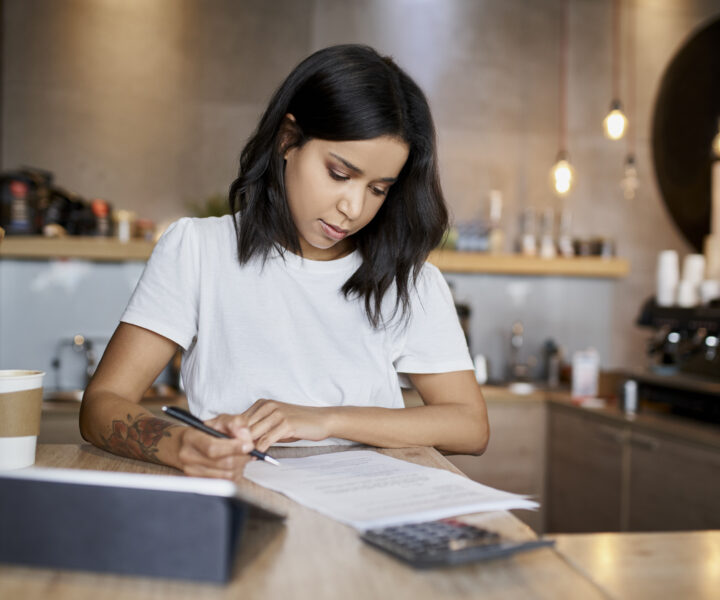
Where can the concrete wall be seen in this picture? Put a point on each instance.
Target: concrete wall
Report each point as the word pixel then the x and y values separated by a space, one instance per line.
pixel 148 103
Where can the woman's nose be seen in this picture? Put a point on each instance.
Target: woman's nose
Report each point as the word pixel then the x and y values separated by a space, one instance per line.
pixel 352 202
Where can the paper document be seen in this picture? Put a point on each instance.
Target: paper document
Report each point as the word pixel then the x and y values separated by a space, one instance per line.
pixel 366 489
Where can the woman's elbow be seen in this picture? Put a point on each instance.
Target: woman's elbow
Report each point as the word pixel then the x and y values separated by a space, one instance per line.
pixel 86 420
pixel 481 436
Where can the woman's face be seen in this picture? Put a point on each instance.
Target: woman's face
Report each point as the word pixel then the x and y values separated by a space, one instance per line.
pixel 334 189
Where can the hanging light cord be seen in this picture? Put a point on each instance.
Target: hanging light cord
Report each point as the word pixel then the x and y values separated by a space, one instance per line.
pixel 632 129
pixel 616 50
pixel 563 78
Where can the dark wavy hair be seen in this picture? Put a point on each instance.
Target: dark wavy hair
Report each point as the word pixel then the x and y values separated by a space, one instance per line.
pixel 341 93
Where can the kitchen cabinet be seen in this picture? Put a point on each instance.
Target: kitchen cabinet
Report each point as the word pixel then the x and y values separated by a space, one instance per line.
pixel 675 484
pixel 586 472
pixel 515 457
pixel 609 473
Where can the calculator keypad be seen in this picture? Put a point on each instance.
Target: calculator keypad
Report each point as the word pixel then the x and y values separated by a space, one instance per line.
pixel 445 542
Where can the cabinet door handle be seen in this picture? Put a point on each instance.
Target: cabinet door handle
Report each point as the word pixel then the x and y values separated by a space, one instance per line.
pixel 646 443
pixel 610 434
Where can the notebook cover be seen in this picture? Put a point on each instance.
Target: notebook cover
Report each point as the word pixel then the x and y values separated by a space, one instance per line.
pixel 112 529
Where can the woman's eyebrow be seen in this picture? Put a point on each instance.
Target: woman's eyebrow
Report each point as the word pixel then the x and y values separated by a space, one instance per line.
pixel 358 170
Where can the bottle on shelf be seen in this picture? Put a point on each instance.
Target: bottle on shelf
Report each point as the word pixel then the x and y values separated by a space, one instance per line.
pixel 527 239
pixel 547 234
pixel 496 243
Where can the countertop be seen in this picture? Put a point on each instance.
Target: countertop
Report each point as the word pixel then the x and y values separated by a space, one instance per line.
pixel 636 566
pixel 692 430
pixel 311 556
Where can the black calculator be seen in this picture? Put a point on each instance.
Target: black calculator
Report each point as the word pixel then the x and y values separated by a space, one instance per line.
pixel 443 543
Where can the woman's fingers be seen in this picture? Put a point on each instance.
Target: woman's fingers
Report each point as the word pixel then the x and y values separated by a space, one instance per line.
pixel 270 430
pixel 205 456
pixel 251 413
pixel 232 425
pixel 266 424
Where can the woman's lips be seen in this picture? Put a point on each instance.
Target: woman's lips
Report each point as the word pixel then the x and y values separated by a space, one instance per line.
pixel 333 232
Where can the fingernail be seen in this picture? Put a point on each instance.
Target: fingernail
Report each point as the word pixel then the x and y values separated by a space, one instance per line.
pixel 247 447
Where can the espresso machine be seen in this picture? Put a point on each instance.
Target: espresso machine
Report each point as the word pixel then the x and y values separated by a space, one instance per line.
pixel 684 353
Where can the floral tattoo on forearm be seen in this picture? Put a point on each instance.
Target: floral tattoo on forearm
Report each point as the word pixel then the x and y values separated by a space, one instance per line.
pixel 137 438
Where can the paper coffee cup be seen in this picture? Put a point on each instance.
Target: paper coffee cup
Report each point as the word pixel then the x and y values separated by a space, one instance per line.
pixel 20 410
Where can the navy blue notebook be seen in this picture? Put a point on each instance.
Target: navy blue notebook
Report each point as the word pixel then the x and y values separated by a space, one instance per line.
pixel 127 523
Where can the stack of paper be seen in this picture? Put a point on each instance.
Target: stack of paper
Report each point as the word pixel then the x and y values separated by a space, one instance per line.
pixel 366 489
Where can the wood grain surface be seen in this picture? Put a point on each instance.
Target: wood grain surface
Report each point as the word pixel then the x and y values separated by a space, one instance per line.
pixel 639 566
pixel 310 556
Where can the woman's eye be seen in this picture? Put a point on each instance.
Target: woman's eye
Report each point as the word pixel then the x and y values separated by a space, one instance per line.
pixel 337 176
pixel 379 191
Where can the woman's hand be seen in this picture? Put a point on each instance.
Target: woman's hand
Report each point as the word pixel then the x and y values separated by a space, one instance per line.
pixel 271 421
pixel 202 455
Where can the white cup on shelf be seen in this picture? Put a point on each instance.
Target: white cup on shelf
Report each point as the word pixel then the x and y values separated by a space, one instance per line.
pixel 688 294
pixel 709 290
pixel 667 278
pixel 693 268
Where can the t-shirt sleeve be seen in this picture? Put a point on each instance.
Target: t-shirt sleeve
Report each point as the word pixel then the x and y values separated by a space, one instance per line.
pixel 165 299
pixel 433 341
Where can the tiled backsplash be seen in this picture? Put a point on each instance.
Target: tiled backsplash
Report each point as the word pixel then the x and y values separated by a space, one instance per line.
pixel 46 303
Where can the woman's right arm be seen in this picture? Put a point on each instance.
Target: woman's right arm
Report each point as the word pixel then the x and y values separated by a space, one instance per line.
pixel 112 418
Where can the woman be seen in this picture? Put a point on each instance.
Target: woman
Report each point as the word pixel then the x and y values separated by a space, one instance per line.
pixel 300 314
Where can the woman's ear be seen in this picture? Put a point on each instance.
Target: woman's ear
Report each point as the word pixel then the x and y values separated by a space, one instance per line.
pixel 290 135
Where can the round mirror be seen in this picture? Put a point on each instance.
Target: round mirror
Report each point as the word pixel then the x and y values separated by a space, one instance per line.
pixel 683 127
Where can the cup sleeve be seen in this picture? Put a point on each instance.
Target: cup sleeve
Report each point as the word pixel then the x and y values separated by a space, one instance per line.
pixel 166 298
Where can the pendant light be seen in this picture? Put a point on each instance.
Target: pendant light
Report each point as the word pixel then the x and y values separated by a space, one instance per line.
pixel 562 174
pixel 630 181
pixel 615 122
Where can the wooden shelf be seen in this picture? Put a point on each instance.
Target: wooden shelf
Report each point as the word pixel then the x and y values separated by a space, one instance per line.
pixel 88 248
pixel 450 261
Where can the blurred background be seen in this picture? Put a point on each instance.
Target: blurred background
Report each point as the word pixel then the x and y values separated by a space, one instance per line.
pixel 144 106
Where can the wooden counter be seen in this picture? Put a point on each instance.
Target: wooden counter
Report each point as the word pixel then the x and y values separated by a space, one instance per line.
pixel 450 261
pixel 311 556
pixel 639 566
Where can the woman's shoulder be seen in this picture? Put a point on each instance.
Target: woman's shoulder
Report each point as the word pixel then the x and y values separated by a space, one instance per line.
pixel 200 225
pixel 205 236
pixel 202 229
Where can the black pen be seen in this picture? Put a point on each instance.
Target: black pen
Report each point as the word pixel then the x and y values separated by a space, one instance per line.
pixel 189 419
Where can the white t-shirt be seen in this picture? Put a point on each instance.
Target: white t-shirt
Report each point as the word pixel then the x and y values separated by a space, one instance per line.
pixel 284 330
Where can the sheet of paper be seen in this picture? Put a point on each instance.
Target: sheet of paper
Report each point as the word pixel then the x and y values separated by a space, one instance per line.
pixel 366 489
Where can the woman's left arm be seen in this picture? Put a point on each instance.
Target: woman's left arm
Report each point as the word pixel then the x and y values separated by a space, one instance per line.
pixel 454 419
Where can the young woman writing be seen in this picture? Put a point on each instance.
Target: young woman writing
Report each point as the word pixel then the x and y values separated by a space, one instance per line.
pixel 300 313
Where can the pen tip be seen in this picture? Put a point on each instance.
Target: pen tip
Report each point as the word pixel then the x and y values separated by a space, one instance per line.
pixel 272 461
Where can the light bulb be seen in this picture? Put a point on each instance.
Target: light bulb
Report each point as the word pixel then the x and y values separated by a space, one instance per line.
pixel 562 175
pixel 615 123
